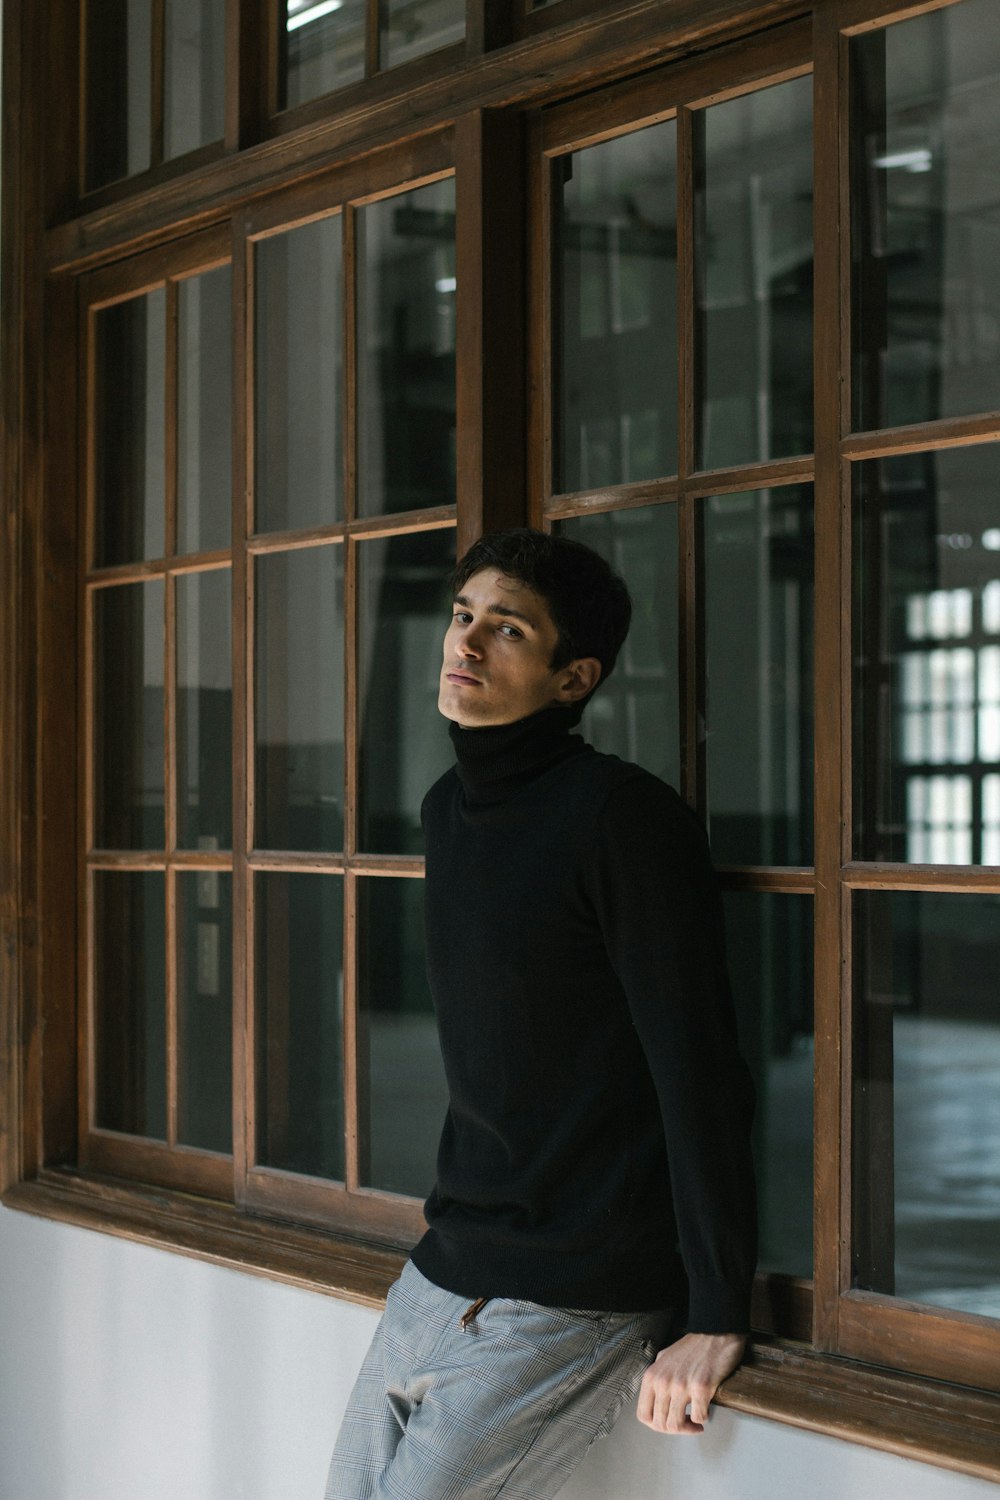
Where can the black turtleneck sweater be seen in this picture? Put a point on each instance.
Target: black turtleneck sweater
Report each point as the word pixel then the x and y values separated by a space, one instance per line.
pixel 596 1150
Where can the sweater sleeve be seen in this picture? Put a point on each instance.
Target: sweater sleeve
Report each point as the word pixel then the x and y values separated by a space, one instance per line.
pixel 660 910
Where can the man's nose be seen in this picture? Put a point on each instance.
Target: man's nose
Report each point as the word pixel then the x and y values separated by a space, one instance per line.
pixel 468 642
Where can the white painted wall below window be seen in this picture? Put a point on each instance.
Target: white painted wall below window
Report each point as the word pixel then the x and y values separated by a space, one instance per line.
pixel 131 1373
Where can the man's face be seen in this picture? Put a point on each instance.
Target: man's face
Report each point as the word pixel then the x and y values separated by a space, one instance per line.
pixel 497 654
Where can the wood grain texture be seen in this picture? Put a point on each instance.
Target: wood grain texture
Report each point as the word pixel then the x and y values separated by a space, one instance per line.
pixel 490 346
pixel 393 108
pixel 829 240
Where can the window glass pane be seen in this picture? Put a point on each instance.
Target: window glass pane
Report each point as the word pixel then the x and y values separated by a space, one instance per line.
pixel 299 700
pixel 119 46
pixel 204 411
pixel 759 667
pixel 204 711
pixel 299 1023
pixel 407 1094
pixel 205 1010
pixel 130 1062
pixel 323 43
pixel 927 656
pixel 927 1098
pixel 128 717
pixel 129 429
pixel 635 715
pixel 926 216
pixel 413 27
pixel 406 350
pixel 616 348
pixel 298 421
pixel 754 270
pixel 769 944
pixel 405 610
pixel 194 84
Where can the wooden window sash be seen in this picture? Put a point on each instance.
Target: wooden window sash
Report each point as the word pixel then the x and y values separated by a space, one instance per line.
pixel 680 92
pixel 346 1205
pixel 165 1162
pixel 242 107
pixel 920 1338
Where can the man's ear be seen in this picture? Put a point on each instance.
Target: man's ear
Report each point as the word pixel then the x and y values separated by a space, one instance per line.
pixel 580 677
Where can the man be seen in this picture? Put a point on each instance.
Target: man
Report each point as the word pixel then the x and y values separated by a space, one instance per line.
pixel 594 1192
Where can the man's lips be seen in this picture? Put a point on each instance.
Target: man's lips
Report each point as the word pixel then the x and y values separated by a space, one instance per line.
pixel 463 677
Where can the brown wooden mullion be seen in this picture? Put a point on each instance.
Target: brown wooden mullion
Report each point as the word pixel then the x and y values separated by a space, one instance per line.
pixel 172 1018
pixel 402 866
pixel 374 11
pixel 157 81
pixel 943 432
pixel 85 1025
pixel 357 1143
pixel 689 592
pixel 243 1029
pixel 193 860
pixel 600 502
pixel 538 376
pixel 831 1172
pixel 490 353
pixel 251 63
pixel 354 1052
pixel 357 1140
pixel 171 929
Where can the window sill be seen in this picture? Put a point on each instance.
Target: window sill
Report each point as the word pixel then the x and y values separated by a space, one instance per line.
pixel 950 1426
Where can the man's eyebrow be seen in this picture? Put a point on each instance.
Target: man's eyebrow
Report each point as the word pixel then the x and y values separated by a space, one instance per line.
pixel 500 609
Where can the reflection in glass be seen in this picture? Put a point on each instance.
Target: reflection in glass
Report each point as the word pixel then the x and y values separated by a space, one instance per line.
pixel 754 274
pixel 407 1093
pixel 205 1010
pixel 759 668
pixel 299 983
pixel 406 350
pixel 194 83
pixel 204 411
pixel 298 377
pixel 129 429
pixel 299 700
pixel 769 942
pixel 119 42
pixel 927 656
pixel 405 609
pixel 411 28
pixel 130 1052
pixel 616 348
pixel 926 216
pixel 204 710
pixel 323 47
pixel 635 715
pixel 927 1098
pixel 128 716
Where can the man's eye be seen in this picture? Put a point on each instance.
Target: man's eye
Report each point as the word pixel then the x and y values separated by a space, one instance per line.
pixel 461 617
pixel 514 635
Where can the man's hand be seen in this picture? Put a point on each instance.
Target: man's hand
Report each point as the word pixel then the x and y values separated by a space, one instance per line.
pixel 689 1371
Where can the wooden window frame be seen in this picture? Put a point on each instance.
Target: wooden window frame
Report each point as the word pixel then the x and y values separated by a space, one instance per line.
pixel 782 1305
pixel 485 105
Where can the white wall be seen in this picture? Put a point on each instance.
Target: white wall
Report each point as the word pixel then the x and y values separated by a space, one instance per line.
pixel 129 1373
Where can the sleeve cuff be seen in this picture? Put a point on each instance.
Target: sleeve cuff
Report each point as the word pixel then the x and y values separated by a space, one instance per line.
pixel 716 1306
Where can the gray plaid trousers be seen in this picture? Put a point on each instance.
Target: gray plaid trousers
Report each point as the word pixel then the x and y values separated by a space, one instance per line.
pixel 505 1407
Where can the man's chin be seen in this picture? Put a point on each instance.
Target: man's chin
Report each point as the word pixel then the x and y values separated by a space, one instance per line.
pixel 465 713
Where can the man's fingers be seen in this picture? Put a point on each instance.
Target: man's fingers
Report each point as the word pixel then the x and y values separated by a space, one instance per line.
pixel 647 1399
pixel 663 1405
pixel 701 1396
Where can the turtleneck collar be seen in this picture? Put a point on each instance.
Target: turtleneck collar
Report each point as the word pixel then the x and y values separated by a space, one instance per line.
pixel 495 761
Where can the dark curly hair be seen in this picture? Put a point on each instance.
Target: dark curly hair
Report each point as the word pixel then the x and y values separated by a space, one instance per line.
pixel 589 603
